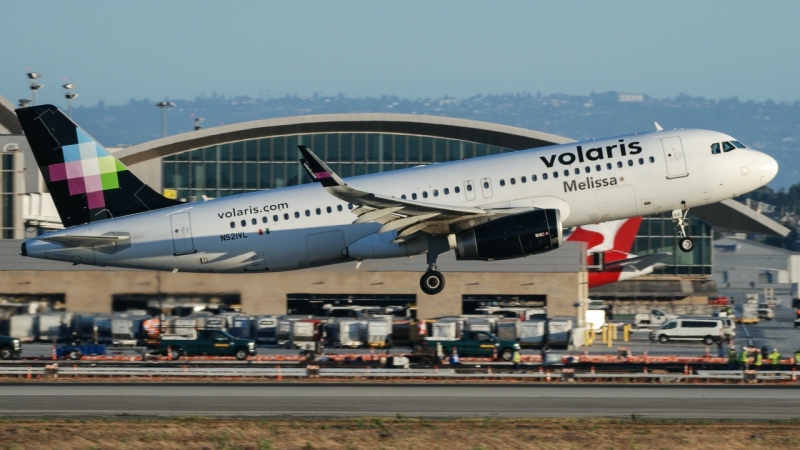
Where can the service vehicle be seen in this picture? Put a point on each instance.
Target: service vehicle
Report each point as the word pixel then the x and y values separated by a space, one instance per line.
pixel 206 343
pixel 765 311
pixel 9 347
pixel 749 313
pixel 477 343
pixel 654 319
pixel 709 330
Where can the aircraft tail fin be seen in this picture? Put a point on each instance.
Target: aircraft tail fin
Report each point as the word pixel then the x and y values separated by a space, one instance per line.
pixel 617 235
pixel 87 183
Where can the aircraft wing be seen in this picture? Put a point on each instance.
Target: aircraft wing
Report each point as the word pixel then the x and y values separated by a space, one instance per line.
pixel 639 262
pixel 406 216
pixel 85 241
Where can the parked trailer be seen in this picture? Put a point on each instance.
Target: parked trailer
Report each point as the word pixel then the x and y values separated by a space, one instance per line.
pixel 508 329
pixel 306 333
pixel 375 333
pixel 266 330
pixel 445 330
pixel 242 327
pixel 24 327
pixel 559 331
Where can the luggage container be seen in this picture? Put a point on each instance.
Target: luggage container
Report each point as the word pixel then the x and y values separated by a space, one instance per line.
pixel 559 331
pixel 284 330
pixel 532 333
pixel 345 332
pixel 242 327
pixel 375 333
pixel 266 330
pixel 216 323
pixel 127 331
pixel 401 332
pixel 24 327
pixel 51 327
pixel 445 330
pixel 508 329
pixel 183 325
pixel 480 325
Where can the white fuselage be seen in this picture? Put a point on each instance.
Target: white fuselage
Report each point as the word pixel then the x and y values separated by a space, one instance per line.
pixel 251 232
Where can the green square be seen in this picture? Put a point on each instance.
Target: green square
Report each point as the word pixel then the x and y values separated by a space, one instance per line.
pixel 120 167
pixel 107 164
pixel 109 181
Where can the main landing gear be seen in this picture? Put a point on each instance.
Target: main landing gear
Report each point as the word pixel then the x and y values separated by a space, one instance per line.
pixel 685 243
pixel 432 281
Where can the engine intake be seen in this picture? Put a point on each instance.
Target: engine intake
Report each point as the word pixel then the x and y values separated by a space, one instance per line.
pixel 510 237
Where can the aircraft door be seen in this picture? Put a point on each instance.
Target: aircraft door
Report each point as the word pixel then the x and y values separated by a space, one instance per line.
pixel 486 187
pixel 182 233
pixel 674 156
pixel 469 190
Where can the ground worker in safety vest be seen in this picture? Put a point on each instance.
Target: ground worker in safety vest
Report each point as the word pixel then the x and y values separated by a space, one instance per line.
pixel 743 359
pixel 758 360
pixel 797 358
pixel 517 359
pixel 733 361
pixel 775 359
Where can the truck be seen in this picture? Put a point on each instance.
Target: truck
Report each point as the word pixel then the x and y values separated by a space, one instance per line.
pixel 477 343
pixel 765 311
pixel 9 347
pixel 206 343
pixel 654 319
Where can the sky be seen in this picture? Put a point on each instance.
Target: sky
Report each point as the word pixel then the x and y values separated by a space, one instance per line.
pixel 115 51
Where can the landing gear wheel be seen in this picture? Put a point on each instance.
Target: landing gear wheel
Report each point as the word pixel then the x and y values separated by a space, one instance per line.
pixel 432 282
pixel 686 245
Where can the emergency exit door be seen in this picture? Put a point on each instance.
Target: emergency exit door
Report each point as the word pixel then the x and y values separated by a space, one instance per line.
pixel 182 233
pixel 674 157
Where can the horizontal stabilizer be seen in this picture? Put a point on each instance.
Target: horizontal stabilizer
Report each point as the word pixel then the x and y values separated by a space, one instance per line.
pixel 639 262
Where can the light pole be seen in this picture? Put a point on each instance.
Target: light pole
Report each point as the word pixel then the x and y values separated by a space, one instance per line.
pixel 163 107
pixel 197 122
pixel 69 96
pixel 23 102
pixel 34 85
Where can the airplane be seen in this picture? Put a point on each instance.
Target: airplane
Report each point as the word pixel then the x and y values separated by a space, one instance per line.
pixel 607 247
pixel 494 207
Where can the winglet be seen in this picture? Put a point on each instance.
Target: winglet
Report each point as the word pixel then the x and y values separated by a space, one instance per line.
pixel 658 127
pixel 318 170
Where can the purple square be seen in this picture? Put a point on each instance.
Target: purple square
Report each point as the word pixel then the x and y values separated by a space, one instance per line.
pixel 93 183
pixel 76 186
pixel 74 170
pixel 96 200
pixel 58 172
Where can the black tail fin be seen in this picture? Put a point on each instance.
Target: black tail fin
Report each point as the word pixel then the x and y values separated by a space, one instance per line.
pixel 86 182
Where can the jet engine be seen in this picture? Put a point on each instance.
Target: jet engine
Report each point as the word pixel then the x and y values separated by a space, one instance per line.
pixel 523 234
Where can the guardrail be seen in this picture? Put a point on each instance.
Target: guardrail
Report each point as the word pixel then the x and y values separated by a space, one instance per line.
pixel 278 373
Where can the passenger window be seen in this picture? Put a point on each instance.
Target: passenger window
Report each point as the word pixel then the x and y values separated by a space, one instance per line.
pixel 244 223
pixel 328 209
pixel 308 213
pixel 641 160
pixel 458 189
pixel 469 188
pixel 630 162
pixel 566 172
pixel 577 171
pixel 544 176
pixel 233 224
pixel 670 325
pixel 403 196
pixel 513 181
pixel 523 179
pixel 435 192
pixel 502 183
pixel 264 219
pixel 319 211
pixel 486 185
pixel 275 218
pixel 738 144
pixel 598 167
pixel 349 206
pixel 297 214
pixel 424 194
pixel 608 166
pixel 715 148
pixel 413 196
pixel 727 146
pixel 254 221
pixel 339 208
pixel 588 169
pixel 446 191
pixel 652 160
pixel 555 174
pixel 619 164
pixel 533 177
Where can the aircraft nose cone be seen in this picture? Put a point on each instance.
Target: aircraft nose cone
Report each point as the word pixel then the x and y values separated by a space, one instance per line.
pixel 768 168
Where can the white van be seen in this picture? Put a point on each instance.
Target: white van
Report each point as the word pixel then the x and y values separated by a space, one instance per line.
pixel 709 330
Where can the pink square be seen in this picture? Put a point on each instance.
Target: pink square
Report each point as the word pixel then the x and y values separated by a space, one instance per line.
pixel 93 183
pixel 58 172
pixel 76 186
pixel 74 170
pixel 96 200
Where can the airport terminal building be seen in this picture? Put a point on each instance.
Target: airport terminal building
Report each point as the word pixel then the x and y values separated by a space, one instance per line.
pixel 232 159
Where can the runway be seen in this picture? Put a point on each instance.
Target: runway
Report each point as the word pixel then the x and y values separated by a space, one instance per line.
pixel 330 400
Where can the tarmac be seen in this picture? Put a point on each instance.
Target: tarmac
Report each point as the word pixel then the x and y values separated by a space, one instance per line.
pixel 429 400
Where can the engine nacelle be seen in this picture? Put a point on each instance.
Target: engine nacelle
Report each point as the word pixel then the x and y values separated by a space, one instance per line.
pixel 510 237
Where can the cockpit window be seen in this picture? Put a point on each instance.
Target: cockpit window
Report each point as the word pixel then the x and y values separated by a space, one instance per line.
pixel 738 144
pixel 715 148
pixel 727 146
